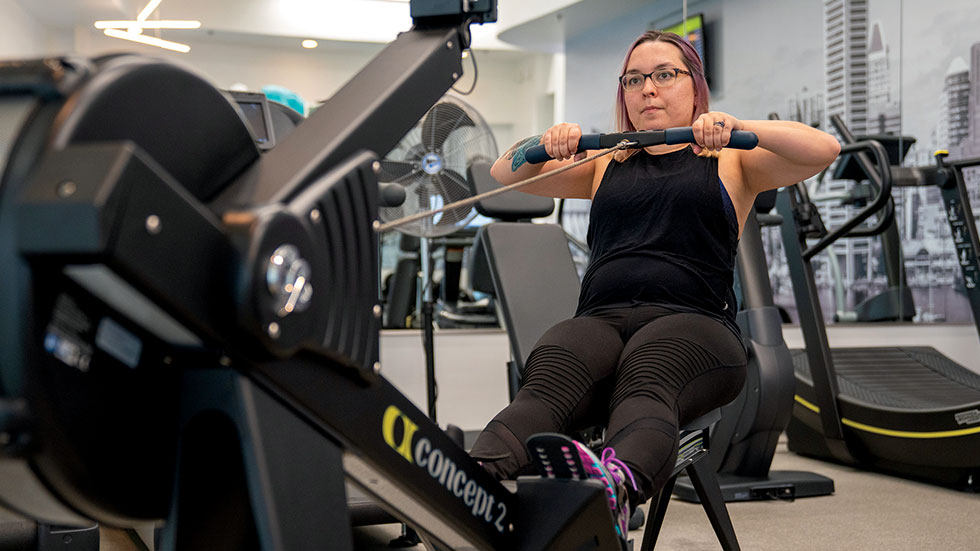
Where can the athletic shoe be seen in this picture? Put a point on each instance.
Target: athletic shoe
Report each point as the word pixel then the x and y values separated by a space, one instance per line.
pixel 613 474
pixel 558 456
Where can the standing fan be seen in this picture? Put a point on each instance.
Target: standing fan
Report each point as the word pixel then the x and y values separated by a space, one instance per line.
pixel 432 163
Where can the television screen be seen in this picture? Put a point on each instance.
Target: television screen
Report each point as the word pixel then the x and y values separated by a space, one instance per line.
pixel 693 30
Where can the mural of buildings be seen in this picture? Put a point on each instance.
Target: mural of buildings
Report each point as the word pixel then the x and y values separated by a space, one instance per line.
pixel 956 95
pixel 846 61
pixel 861 87
pixel 884 114
pixel 968 121
pixel 806 107
pixel 847 272
pixel 930 255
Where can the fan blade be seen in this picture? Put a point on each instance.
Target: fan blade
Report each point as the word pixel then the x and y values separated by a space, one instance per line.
pixel 393 171
pixel 451 187
pixel 403 149
pixel 465 145
pixel 429 192
pixel 442 119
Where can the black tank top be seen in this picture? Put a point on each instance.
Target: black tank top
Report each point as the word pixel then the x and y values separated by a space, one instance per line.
pixel 663 231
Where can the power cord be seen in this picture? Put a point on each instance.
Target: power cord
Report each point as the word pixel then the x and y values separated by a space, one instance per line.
pixel 476 74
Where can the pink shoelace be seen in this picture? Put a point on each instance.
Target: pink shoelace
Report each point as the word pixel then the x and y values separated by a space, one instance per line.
pixel 609 458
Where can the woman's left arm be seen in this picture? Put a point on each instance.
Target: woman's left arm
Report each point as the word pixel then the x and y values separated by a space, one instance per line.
pixel 788 151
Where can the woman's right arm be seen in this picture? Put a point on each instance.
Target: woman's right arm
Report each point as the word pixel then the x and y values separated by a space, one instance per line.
pixel 560 141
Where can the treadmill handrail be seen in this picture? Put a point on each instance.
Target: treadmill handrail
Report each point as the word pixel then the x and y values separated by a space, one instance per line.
pixel 961 163
pixel 890 240
pixel 875 176
pixel 884 195
pixel 812 326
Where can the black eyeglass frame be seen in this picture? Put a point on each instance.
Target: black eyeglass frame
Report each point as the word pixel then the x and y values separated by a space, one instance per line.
pixel 677 71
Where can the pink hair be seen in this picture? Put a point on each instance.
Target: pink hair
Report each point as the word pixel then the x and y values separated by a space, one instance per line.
pixel 691 60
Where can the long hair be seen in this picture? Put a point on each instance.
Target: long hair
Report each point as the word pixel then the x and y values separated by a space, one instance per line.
pixel 693 64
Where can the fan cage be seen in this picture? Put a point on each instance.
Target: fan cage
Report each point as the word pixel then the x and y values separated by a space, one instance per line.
pixel 433 163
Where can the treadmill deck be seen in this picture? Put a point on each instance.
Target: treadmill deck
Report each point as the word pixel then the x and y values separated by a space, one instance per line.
pixel 910 378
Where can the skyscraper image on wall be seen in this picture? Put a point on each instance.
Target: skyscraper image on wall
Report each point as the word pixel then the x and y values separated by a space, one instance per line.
pixel 863 61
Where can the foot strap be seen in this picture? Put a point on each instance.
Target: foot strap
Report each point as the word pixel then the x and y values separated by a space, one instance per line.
pixel 555 456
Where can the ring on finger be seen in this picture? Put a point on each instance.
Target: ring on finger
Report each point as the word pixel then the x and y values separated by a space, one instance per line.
pixel 720 124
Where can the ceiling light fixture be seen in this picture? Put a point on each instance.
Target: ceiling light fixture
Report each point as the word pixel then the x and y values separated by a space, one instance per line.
pixel 148 9
pixel 149 40
pixel 162 24
pixel 133 30
pixel 310 44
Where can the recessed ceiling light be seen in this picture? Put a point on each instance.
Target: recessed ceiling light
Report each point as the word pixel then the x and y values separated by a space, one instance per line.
pixel 310 44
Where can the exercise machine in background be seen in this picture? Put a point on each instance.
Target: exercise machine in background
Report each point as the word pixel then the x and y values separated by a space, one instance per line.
pixel 744 440
pixel 895 302
pixel 905 410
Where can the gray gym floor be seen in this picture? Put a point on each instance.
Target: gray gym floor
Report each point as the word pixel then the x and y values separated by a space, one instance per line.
pixel 869 511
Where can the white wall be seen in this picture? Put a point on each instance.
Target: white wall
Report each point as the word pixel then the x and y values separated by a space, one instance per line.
pixel 471 372
pixel 594 59
pixel 314 74
pixel 23 36
pixel 517 92
pixel 508 92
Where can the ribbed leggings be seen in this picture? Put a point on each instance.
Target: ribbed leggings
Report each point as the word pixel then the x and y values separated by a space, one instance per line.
pixel 641 371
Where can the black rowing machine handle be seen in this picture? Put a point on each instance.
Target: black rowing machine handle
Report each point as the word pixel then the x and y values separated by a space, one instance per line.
pixel 740 139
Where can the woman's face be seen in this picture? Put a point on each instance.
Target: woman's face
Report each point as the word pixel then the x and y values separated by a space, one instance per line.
pixel 652 108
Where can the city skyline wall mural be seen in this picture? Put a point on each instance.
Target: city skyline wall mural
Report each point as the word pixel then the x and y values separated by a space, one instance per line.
pixel 908 69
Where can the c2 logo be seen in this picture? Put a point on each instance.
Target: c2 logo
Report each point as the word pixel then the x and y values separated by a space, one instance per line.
pixel 388 421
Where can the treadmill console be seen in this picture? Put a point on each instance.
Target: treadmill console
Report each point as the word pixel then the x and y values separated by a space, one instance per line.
pixel 255 110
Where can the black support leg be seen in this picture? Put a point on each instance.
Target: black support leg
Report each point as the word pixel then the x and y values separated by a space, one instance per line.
pixel 705 481
pixel 252 474
pixel 658 508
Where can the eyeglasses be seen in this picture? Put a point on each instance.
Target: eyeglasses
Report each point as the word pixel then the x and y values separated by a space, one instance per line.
pixel 662 78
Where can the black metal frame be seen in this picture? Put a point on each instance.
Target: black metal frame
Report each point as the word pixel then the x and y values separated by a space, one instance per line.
pixel 881 200
pixel 897 297
pixel 962 225
pixel 875 175
pixel 704 480
pixel 798 257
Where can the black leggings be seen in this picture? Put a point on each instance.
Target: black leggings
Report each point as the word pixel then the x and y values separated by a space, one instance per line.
pixel 641 371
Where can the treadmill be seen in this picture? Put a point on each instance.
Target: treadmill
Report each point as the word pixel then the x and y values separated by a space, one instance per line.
pixel 904 410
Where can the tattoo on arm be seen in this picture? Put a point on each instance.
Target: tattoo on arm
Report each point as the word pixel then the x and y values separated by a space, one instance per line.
pixel 516 152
